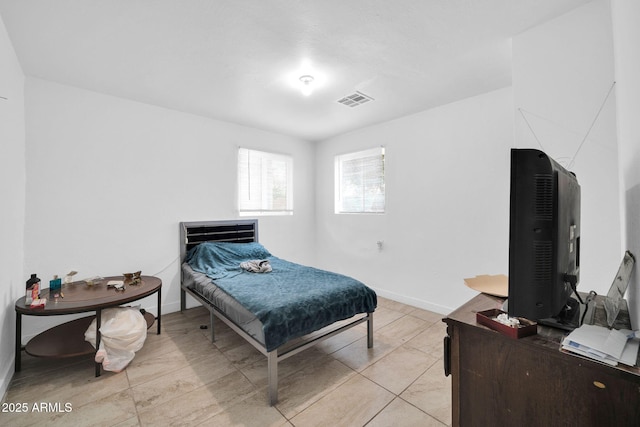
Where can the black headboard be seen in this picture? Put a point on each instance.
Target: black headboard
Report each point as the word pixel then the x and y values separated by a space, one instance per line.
pixel 194 233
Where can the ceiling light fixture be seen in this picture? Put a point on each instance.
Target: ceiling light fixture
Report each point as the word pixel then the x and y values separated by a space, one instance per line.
pixel 306 84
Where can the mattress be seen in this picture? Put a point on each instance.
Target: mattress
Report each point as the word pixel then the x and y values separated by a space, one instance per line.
pixel 206 287
pixel 289 302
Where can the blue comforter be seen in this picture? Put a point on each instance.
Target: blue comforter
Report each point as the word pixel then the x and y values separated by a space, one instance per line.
pixel 290 301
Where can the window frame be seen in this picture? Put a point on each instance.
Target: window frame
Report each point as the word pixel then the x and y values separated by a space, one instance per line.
pixel 266 187
pixel 339 191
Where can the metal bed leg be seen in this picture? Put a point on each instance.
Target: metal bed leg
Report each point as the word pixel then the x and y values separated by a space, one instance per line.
pixel 370 330
pixel 213 333
pixel 272 373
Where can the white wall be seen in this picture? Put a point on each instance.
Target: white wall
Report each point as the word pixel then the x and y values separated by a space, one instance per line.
pixel 12 195
pixel 562 73
pixel 626 33
pixel 441 226
pixel 109 180
pixel 447 208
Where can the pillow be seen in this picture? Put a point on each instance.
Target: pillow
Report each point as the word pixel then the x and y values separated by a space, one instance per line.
pixel 249 251
pixel 228 252
pixel 218 259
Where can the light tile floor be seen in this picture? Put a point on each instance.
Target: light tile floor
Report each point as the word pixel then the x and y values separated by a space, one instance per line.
pixel 180 378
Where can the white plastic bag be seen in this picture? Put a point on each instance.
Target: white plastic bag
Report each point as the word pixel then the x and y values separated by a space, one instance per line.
pixel 123 331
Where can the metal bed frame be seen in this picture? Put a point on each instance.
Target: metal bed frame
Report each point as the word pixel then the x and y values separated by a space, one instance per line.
pixel 244 231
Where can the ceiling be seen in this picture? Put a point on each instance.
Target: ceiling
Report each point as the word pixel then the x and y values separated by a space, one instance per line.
pixel 240 60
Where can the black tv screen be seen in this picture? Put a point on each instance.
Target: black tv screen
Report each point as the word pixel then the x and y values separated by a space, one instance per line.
pixel 544 239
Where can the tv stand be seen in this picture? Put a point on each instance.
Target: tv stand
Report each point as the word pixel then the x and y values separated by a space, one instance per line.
pixel 568 319
pixel 497 380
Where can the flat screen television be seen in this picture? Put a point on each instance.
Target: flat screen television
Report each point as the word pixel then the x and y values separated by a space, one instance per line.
pixel 544 240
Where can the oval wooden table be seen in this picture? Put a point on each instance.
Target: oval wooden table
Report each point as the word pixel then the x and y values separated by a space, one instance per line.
pixel 67 339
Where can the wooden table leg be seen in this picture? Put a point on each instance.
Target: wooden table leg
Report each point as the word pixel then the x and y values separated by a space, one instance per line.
pixel 159 308
pixel 98 320
pixel 18 355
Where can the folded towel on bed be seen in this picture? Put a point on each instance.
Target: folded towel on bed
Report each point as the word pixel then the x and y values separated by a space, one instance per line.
pixel 256 266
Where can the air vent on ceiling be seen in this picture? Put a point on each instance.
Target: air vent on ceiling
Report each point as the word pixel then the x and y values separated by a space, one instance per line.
pixel 355 99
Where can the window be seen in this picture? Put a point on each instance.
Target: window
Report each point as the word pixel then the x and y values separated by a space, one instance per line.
pixel 360 182
pixel 265 183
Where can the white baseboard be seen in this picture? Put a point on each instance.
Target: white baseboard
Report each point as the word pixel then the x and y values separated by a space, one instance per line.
pixel 414 302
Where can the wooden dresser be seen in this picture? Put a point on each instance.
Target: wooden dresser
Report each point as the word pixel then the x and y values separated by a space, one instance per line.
pixel 501 381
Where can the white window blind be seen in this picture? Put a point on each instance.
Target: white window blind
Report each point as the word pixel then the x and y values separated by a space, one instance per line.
pixel 360 182
pixel 265 183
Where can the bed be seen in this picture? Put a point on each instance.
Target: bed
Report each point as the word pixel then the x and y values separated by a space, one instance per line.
pixel 281 312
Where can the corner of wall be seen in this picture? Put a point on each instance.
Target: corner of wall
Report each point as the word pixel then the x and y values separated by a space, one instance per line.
pixel 13 196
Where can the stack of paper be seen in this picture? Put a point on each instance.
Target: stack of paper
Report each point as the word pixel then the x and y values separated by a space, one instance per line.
pixel 605 345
